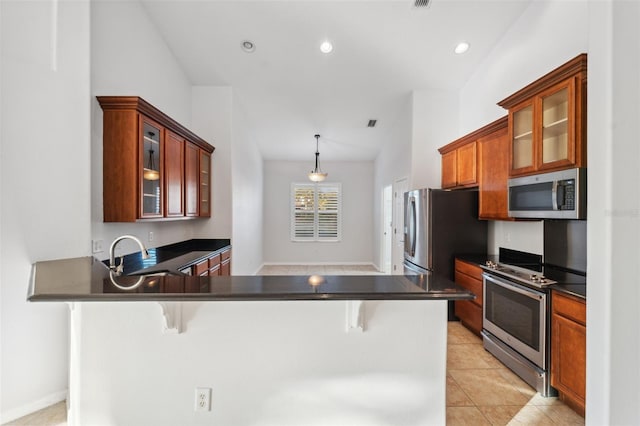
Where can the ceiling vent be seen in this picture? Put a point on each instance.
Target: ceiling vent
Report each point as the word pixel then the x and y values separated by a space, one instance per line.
pixel 421 3
pixel 372 123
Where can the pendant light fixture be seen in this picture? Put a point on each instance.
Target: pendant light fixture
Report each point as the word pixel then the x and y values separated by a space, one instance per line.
pixel 150 172
pixel 316 174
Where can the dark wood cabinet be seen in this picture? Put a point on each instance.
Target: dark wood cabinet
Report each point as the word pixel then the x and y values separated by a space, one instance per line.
pixel 225 263
pixel 215 264
pixel 174 174
pixel 459 164
pixel 481 158
pixel 568 349
pixel 493 172
pixel 547 121
pixel 466 163
pixel 201 268
pixel 204 194
pixel 469 312
pixel 150 168
pixel 192 179
pixel 145 163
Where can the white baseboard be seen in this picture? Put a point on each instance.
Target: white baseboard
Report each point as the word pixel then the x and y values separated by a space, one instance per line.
pixel 258 270
pixel 32 407
pixel 318 264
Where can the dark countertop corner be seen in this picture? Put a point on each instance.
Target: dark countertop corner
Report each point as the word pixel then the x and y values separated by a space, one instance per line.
pixel 180 254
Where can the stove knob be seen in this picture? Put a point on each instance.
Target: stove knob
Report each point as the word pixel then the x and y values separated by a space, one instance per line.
pixel 533 278
pixel 542 280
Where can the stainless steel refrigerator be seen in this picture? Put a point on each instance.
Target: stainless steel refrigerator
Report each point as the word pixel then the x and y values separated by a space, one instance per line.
pixel 438 225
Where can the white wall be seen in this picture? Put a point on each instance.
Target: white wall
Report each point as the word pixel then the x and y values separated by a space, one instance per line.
pixel 613 336
pixel 548 34
pixel 267 363
pixel 435 123
pixel 247 204
pixel 212 113
pixel 45 192
pixel 133 61
pixel 392 163
pixel 357 213
pixel 531 48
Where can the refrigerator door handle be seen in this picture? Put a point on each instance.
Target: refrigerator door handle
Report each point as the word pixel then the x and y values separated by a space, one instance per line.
pixel 412 227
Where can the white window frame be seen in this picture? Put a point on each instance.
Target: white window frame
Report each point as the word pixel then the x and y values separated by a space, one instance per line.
pixel 316 214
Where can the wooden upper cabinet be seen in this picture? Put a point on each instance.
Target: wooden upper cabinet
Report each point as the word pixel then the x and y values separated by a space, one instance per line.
pixel 205 184
pixel 493 169
pixel 481 159
pixel 459 164
pixel 192 179
pixel 449 169
pixel 467 164
pixel 145 168
pixel 547 121
pixel 151 170
pixel 174 174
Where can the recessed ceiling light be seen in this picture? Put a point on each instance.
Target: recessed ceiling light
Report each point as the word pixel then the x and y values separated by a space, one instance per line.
pixel 461 47
pixel 326 47
pixel 248 46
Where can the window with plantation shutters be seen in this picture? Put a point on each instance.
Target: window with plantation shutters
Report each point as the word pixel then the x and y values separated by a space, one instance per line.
pixel 315 211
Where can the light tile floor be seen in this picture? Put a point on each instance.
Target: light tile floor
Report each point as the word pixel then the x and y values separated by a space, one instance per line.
pixel 54 415
pixel 480 390
pixel 319 270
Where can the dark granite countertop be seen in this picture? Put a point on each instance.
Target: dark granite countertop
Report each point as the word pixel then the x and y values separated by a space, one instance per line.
pixel 173 256
pixel 88 279
pixel 578 290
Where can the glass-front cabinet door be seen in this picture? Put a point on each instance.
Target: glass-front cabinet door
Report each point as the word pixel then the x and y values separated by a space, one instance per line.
pixel 557 145
pixel 522 142
pixel 205 181
pixel 548 121
pixel 152 139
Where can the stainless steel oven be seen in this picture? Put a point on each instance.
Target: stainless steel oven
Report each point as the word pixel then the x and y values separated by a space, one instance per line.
pixel 516 315
pixel 516 329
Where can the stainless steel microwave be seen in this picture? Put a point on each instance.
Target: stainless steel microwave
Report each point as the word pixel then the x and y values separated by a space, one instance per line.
pixel 553 195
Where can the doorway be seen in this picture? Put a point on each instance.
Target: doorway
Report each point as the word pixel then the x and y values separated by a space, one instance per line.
pixel 400 186
pixel 387 229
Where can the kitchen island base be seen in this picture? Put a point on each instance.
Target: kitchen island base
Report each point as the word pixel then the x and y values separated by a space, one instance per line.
pixel 266 363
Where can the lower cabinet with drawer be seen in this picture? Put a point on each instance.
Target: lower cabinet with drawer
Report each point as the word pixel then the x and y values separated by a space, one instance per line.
pixel 469 276
pixel 225 263
pixel 569 349
pixel 216 264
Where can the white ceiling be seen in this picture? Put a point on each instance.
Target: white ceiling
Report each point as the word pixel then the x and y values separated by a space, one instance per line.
pixel 290 90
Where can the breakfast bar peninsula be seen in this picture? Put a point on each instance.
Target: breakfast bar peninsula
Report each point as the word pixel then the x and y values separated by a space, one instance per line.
pixel 164 348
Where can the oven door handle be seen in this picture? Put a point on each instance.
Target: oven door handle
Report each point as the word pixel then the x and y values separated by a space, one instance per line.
pixel 514 287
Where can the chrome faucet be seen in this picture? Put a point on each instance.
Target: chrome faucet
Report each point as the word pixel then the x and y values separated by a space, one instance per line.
pixel 118 269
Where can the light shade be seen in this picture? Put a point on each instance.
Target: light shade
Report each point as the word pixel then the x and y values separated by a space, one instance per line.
pixel 317 176
pixel 149 174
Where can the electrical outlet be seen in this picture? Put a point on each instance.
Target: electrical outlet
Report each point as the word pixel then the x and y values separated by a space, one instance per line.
pixel 150 236
pixel 203 399
pixel 96 246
